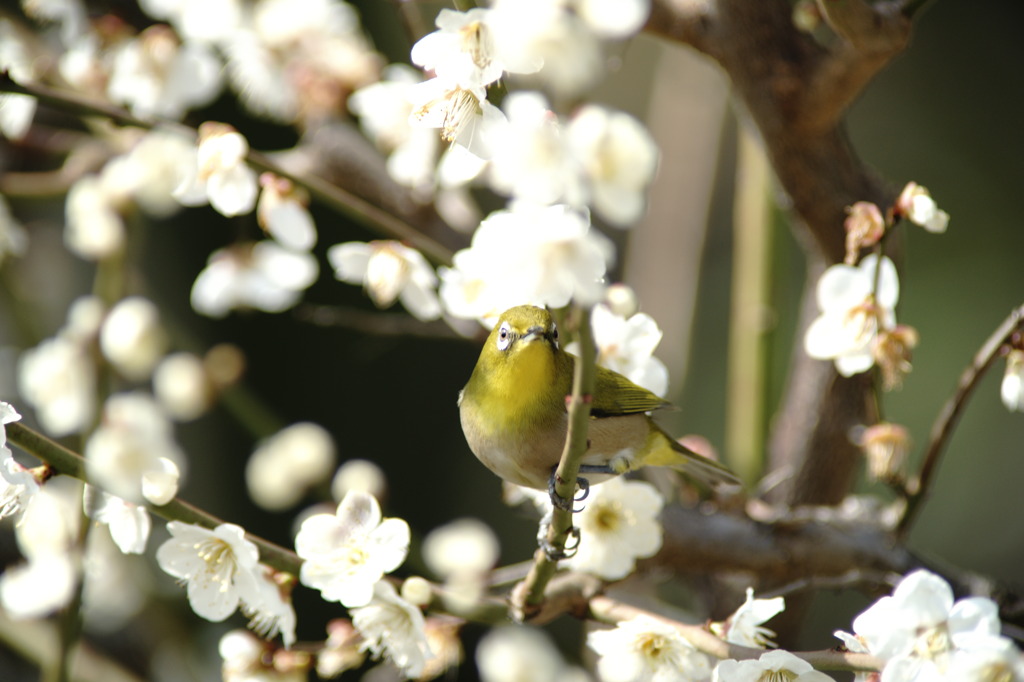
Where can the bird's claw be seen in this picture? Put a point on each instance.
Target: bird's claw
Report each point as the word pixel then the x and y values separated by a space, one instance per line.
pixel 559 502
pixel 567 551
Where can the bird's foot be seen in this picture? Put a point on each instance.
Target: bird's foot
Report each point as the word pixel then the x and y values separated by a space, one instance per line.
pixel 559 502
pixel 552 551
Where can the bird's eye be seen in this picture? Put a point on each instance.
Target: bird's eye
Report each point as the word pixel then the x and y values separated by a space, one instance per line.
pixel 554 336
pixel 504 336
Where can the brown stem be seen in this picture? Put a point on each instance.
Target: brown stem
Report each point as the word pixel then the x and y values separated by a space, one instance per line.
pixel 69 463
pixel 948 416
pixel 329 194
pixel 797 91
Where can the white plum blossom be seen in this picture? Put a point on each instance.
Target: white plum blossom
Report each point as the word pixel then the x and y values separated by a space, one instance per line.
pixel 463 115
pixel 619 158
pixel 157 75
pixel 269 608
pixel 618 525
pixel 626 345
pixel 242 655
pixel 990 659
pixel 389 271
pixel 519 654
pixel 17 484
pixel 129 524
pixel 150 171
pixel 853 310
pixel 220 175
pixel 282 213
pixel 540 255
pixel 114 590
pixel 181 386
pixel 219 567
pixel 462 547
pixel 58 379
pixel 16 114
pixel 461 50
pixel 773 665
pixel 131 337
pixel 462 553
pixel 261 275
pixel 47 534
pixel 93 226
pixel 288 463
pixel 203 21
pixel 393 628
pixel 132 453
pixel 644 649
pixel 16 58
pixel 383 109
pixel 546 39
pixel 917 630
pixel 341 650
pixel 345 554
pixel 532 159
pixel 39 587
pixel 856 645
pixel 917 205
pixel 1011 390
pixel 295 59
pixel 358 474
pixel 614 19
pixel 744 626
pixel 256 73
pixel 247 659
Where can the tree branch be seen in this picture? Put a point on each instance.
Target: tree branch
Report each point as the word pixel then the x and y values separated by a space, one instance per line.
pixel 528 597
pixel 69 463
pixel 948 416
pixel 327 193
pixel 796 91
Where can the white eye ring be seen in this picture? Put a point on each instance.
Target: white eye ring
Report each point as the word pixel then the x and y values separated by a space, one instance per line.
pixel 504 336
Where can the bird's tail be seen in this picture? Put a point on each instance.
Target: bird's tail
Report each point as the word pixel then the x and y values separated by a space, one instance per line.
pixel 670 453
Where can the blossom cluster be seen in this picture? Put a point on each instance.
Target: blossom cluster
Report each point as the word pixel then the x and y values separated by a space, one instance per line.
pixel 542 248
pixel 921 633
pixel 559 160
pixel 294 64
pixel 857 329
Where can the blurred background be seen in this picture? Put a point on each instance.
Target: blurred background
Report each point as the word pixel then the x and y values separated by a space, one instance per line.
pixel 945 114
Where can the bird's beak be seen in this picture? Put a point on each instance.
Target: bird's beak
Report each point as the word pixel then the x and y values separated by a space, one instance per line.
pixel 534 334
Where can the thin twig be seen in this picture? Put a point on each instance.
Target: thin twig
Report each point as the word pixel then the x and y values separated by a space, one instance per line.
pixel 529 595
pixel 376 323
pixel 947 418
pixel 331 195
pixel 69 463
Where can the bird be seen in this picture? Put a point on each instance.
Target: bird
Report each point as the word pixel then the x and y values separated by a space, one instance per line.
pixel 514 415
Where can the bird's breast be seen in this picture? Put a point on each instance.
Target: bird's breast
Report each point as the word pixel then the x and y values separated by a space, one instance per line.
pixel 527 455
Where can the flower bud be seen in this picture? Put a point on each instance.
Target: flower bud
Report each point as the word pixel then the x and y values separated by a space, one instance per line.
pixel 892 352
pixel 917 206
pixel 417 591
pixel 1012 388
pixel 132 339
pixel 886 446
pixel 864 227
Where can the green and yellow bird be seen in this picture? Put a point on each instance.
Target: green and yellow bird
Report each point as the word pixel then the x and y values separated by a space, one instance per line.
pixel 514 413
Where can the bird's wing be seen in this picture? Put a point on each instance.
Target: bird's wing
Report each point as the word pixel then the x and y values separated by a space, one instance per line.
pixel 614 394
